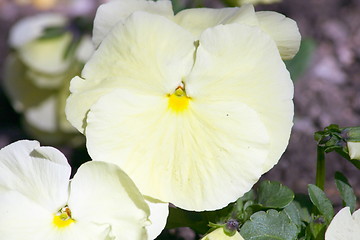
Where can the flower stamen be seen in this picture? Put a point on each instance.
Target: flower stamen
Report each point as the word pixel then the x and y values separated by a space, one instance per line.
pixel 63 218
pixel 178 101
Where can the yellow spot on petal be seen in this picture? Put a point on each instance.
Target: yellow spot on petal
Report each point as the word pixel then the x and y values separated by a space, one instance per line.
pixel 63 218
pixel 178 101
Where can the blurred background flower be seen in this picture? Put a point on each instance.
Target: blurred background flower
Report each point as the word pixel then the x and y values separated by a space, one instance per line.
pixel 48 50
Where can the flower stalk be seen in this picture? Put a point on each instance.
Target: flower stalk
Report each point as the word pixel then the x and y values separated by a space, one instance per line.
pixel 320 168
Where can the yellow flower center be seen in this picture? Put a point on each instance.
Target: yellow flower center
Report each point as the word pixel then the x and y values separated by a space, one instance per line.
pixel 63 218
pixel 178 101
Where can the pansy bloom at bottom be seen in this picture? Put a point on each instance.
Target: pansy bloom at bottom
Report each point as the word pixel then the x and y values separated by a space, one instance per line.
pixel 38 202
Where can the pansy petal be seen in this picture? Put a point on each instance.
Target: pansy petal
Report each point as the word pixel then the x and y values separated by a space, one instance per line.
pixel 46 55
pixel 80 230
pixel 39 173
pixel 171 156
pixel 140 59
pixel 21 218
pixel 133 57
pixel 43 116
pixel 344 226
pixel 159 212
pixel 251 73
pixel 114 200
pixel 284 31
pixel 354 150
pixel 196 20
pixel 31 28
pixel 83 95
pixel 21 90
pixel 111 13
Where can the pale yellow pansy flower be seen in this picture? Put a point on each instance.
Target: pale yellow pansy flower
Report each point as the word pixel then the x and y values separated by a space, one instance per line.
pixel 194 121
pixel 219 234
pixel 39 202
pixel 37 76
pixel 281 29
pixel 344 226
pixel 354 150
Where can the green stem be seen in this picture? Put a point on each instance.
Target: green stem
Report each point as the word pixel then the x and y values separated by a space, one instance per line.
pixel 320 168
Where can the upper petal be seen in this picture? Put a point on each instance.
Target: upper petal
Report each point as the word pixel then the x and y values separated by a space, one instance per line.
pixel 196 20
pixel 46 55
pixel 239 63
pixel 101 193
pixel 39 173
pixel 132 56
pixel 284 31
pixel 31 28
pixel 344 226
pixel 111 13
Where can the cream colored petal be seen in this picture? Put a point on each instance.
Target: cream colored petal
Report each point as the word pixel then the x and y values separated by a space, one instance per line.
pixel 354 150
pixel 283 30
pixel 46 56
pixel 85 49
pixel 114 12
pixel 159 212
pixel 31 28
pixel 38 173
pixel 21 90
pixel 218 234
pixel 102 193
pixel 344 226
pixel 83 95
pixel 251 73
pixel 170 156
pixel 196 20
pixel 132 56
pixel 43 116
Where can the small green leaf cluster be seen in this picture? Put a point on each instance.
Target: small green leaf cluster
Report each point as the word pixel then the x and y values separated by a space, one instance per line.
pixel 334 138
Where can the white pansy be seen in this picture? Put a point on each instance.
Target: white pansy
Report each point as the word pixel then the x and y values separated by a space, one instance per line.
pixel 39 202
pixel 193 120
pixel 344 226
pixel 219 234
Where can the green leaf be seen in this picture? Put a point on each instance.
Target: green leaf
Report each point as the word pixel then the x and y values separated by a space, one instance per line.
pixel 298 65
pixel 346 191
pixel 178 5
pixel 316 230
pixel 274 195
pixel 304 204
pixel 270 225
pixel 293 214
pixel 52 32
pixel 321 202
